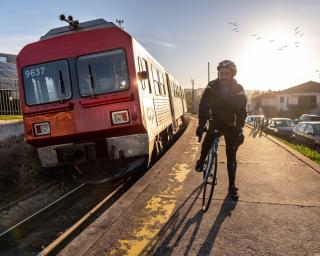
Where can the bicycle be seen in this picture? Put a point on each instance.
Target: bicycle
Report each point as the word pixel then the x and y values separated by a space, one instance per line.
pixel 210 173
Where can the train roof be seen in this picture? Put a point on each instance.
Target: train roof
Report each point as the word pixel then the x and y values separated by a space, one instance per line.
pixel 87 25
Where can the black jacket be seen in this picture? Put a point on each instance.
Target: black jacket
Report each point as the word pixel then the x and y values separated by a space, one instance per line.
pixel 225 103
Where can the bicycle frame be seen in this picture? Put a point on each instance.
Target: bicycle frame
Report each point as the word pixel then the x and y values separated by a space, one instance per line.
pixel 212 153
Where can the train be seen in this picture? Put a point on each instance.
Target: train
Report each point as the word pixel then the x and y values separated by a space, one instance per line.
pixel 90 91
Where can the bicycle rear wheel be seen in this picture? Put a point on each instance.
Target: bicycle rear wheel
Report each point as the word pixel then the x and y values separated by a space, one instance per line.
pixel 209 180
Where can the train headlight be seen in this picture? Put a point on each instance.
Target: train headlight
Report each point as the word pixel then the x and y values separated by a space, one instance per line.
pixel 41 129
pixel 120 117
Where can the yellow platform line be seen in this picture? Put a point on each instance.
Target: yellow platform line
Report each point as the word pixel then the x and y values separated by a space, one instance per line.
pixel 156 212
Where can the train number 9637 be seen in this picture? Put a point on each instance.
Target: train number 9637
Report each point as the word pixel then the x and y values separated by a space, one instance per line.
pixel 33 72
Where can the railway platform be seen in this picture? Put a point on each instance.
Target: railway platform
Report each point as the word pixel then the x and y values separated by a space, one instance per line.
pixel 277 212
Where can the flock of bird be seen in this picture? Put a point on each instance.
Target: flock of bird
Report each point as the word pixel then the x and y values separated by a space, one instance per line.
pixel 297 33
pixel 297 36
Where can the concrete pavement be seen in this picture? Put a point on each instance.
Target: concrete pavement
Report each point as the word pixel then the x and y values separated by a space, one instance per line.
pixel 277 213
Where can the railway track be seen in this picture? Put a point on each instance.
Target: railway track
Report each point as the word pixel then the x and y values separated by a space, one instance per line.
pixel 43 232
pixel 33 193
pixel 21 226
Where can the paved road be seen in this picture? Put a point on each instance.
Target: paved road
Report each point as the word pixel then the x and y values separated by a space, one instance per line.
pixel 277 213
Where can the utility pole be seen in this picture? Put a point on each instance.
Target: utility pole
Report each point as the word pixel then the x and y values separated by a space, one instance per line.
pixel 208 71
pixel 192 83
pixel 120 22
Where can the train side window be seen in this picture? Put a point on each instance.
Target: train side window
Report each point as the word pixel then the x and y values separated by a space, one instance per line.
pixel 162 84
pixel 140 70
pixel 156 81
pixel 143 66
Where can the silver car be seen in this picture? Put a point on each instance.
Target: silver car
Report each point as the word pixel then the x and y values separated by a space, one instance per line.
pixel 282 127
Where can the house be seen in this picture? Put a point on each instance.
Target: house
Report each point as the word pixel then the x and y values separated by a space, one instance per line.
pixel 300 99
pixel 292 102
pixel 8 58
pixel 265 103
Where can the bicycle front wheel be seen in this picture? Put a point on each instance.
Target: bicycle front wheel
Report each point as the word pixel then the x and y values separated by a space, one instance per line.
pixel 209 181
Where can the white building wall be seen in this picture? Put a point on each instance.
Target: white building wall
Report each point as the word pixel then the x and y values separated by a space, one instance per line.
pixel 292 99
pixel 282 105
pixel 269 102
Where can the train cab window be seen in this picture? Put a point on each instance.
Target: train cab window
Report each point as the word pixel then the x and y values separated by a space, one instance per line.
pixel 102 73
pixel 45 83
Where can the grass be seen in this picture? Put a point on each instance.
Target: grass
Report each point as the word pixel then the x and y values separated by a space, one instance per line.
pixel 2 117
pixel 310 153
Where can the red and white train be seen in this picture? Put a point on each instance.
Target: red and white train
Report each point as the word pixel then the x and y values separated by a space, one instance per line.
pixel 93 92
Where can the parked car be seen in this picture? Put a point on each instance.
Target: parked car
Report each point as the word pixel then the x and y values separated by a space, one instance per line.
pixel 250 119
pixel 282 127
pixel 307 118
pixel 308 134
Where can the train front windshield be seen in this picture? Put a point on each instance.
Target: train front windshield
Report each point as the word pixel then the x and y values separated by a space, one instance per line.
pixel 102 73
pixel 46 83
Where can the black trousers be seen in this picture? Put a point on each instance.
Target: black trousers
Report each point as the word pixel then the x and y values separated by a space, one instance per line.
pixel 231 150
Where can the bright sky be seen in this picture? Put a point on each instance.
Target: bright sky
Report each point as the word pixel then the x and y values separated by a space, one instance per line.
pixel 183 35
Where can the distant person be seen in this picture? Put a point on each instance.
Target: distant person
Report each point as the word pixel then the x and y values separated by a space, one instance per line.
pixel 255 122
pixel 225 99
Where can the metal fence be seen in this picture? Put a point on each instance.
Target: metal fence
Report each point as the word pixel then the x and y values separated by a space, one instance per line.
pixel 9 97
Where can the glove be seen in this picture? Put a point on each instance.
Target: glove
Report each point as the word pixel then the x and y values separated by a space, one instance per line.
pixel 200 130
pixel 240 137
pixel 238 132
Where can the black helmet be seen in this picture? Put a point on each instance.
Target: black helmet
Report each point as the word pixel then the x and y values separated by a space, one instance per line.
pixel 228 64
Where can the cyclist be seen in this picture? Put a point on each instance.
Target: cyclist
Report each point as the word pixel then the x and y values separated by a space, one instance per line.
pixel 223 103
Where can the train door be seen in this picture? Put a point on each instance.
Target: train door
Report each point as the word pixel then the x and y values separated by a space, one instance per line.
pixel 174 123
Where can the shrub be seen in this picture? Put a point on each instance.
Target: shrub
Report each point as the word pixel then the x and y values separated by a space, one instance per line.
pixel 19 165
